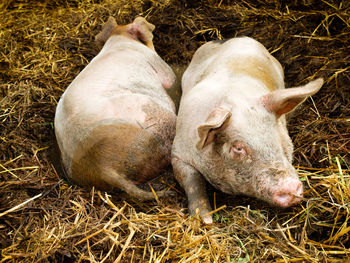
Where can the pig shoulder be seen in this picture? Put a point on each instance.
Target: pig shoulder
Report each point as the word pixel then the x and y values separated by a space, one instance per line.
pixel 139 57
pixel 195 106
pixel 201 60
pixel 111 75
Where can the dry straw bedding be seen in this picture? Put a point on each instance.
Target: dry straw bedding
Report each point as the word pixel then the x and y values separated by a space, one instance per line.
pixel 44 45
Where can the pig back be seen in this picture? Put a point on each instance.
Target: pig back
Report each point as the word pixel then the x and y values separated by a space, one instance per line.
pixel 229 60
pixel 123 70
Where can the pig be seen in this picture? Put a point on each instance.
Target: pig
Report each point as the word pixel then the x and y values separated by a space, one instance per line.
pixel 231 126
pixel 115 122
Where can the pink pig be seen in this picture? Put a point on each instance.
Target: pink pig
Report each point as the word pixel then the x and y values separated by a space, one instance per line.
pixel 115 122
pixel 231 128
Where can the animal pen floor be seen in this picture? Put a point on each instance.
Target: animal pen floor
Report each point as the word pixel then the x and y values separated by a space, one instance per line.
pixel 45 44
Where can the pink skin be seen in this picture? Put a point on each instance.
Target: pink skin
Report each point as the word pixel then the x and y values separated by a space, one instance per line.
pixel 290 193
pixel 115 123
pixel 231 129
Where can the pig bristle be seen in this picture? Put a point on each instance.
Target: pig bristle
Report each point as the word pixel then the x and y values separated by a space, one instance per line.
pixel 43 218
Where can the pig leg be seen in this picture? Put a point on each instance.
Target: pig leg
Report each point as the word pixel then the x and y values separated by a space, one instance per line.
pixel 116 180
pixel 194 184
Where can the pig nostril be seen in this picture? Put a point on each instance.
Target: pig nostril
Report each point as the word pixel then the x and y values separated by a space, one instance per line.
pixel 299 191
pixel 282 199
pixel 288 194
pixel 286 199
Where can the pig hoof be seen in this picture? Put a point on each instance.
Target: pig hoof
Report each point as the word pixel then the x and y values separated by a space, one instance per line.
pixel 207 219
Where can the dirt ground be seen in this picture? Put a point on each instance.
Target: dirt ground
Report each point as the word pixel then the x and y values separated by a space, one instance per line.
pixel 44 218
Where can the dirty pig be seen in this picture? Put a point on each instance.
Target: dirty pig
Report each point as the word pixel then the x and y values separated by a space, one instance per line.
pixel 231 126
pixel 115 123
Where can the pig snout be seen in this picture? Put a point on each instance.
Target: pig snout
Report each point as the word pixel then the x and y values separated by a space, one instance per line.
pixel 289 193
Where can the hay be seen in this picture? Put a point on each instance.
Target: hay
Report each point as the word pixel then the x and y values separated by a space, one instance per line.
pixel 45 44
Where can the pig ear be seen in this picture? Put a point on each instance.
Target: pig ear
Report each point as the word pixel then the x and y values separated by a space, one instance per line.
pixel 142 30
pixel 215 122
pixel 106 31
pixel 283 101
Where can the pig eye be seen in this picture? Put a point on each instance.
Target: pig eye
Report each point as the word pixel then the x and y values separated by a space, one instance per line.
pixel 238 150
